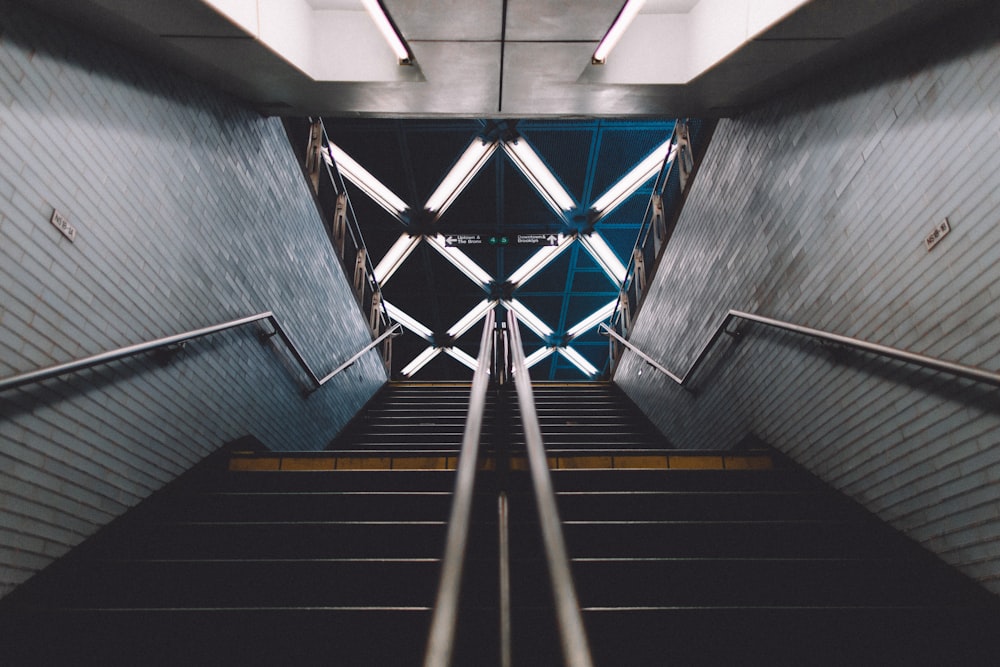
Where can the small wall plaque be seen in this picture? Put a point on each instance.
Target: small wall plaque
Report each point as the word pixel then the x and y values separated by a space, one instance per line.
pixel 939 233
pixel 61 223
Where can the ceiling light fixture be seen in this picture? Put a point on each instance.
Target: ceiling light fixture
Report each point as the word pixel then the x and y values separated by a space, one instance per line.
pixel 605 256
pixel 462 262
pixel 388 30
pixel 469 320
pixel 539 175
pixel 618 28
pixel 633 180
pixel 592 320
pixel 538 261
pixel 529 319
pixel 463 357
pixel 410 323
pixel 420 361
pixel 468 165
pixel 368 184
pixel 538 355
pixel 395 257
pixel 577 359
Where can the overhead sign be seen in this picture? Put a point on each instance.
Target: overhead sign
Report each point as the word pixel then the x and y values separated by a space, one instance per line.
pixel 538 239
pixel 454 240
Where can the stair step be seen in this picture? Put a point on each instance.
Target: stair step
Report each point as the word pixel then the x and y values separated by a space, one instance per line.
pixel 698 505
pixel 265 636
pixel 568 479
pixel 736 539
pixel 765 582
pixel 891 635
pixel 302 539
pixel 311 506
pixel 241 583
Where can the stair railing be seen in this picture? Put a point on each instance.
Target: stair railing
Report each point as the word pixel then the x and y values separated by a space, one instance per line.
pixel 441 640
pixel 576 652
pixel 341 224
pixel 669 189
pixel 925 361
pixel 177 341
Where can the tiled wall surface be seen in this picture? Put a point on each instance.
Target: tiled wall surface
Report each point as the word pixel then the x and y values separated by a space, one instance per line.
pixel 814 208
pixel 190 210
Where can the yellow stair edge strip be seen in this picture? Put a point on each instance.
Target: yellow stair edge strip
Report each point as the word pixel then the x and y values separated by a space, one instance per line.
pixel 576 462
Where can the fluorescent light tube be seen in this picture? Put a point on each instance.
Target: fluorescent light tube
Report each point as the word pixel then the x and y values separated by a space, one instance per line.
pixel 420 361
pixel 409 322
pixel 577 359
pixel 593 320
pixel 529 319
pixel 633 180
pixel 462 262
pixel 605 257
pixel 538 355
pixel 384 25
pixel 618 28
pixel 538 261
pixel 368 184
pixel 464 358
pixel 539 175
pixel 468 165
pixel 469 320
pixel 395 257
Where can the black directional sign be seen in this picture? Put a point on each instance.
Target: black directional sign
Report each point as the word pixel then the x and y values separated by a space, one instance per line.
pixel 538 239
pixel 454 240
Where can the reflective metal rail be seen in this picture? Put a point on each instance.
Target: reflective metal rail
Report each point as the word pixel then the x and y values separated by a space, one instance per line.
pixel 180 339
pixel 576 652
pixel 933 363
pixel 442 633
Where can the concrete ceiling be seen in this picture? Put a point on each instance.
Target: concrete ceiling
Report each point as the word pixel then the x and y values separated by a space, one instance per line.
pixel 502 58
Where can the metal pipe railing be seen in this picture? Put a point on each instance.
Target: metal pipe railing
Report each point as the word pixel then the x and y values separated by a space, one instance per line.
pixel 442 633
pixel 393 331
pixel 178 339
pixel 925 361
pixel 576 651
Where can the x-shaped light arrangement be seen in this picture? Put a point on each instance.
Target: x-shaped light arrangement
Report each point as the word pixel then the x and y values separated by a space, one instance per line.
pixel 551 190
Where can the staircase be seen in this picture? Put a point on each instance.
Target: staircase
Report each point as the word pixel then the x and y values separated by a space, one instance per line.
pixel 333 557
pixel 412 418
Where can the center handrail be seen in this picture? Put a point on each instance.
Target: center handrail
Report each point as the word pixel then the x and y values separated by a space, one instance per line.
pixel 576 651
pixel 441 640
pixel 933 363
pixel 181 338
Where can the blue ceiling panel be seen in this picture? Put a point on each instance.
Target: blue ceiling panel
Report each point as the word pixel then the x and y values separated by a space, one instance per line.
pixel 567 149
pixel 524 208
pixel 622 147
pixel 476 210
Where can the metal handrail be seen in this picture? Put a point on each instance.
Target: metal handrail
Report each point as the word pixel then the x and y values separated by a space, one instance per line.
pixel 441 639
pixel 576 651
pixel 925 361
pixel 178 339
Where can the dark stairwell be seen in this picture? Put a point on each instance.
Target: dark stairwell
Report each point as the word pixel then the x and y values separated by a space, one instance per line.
pixel 678 557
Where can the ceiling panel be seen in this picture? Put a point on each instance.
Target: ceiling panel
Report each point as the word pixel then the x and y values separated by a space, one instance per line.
pixel 447 20
pixel 557 20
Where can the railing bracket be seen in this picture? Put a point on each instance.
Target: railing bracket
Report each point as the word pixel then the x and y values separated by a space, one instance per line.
pixel 165 355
